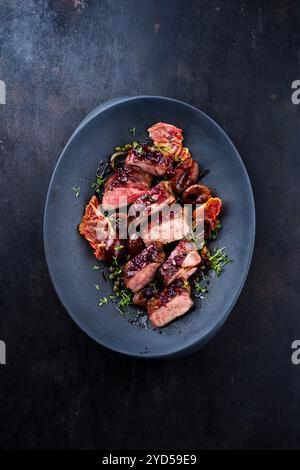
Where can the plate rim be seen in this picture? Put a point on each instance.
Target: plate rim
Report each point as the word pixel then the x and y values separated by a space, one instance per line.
pixel 212 332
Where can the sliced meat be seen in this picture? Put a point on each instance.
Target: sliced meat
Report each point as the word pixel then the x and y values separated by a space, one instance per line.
pixel 139 271
pixel 134 246
pixel 141 298
pixel 153 200
pixel 167 137
pixel 124 187
pixel 169 225
pixel 174 301
pixel 149 160
pixel 95 228
pixel 182 262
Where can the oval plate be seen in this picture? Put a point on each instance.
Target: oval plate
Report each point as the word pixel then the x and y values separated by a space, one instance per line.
pixel 70 258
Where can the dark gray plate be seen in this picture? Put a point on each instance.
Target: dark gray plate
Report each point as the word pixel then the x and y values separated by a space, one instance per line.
pixel 70 259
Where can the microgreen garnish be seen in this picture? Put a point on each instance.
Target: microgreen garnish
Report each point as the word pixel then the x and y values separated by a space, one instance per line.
pixel 116 273
pixel 98 184
pixel 118 247
pixel 199 288
pixel 102 301
pixel 132 131
pixel 97 286
pixel 125 296
pixel 76 191
pixel 185 284
pixel 218 260
pixel 153 285
pixel 137 147
pixel 214 232
pixel 122 296
pixel 96 267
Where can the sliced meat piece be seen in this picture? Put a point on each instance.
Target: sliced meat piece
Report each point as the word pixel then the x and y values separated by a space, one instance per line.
pixel 95 228
pixel 153 200
pixel 167 137
pixel 141 298
pixel 139 271
pixel 212 208
pixel 149 160
pixel 174 301
pixel 169 225
pixel 134 246
pixel 182 262
pixel 124 187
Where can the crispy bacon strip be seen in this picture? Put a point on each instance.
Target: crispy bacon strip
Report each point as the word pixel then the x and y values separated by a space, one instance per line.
pixel 168 137
pixel 212 208
pixel 95 227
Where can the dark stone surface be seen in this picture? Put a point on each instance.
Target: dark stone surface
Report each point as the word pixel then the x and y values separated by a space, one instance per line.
pixel 234 60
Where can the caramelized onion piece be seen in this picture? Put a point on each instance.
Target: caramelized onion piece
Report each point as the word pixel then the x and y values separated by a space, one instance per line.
pixel 185 174
pixel 196 194
pixel 114 157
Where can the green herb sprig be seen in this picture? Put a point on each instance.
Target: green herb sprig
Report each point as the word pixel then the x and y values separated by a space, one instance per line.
pixel 102 301
pixel 76 191
pixel 200 289
pixel 214 232
pixel 218 260
pixel 98 184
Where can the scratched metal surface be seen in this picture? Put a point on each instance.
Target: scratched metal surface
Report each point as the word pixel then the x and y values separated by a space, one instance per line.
pixel 235 61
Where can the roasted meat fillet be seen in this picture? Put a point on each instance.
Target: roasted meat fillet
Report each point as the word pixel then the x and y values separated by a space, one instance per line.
pixel 124 187
pixel 139 271
pixel 167 226
pixel 182 262
pixel 148 160
pixel 95 228
pixel 174 301
pixel 154 200
pixel 167 137
pixel 149 292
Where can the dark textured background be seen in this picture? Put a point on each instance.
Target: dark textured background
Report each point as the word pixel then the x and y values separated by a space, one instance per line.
pixel 235 61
